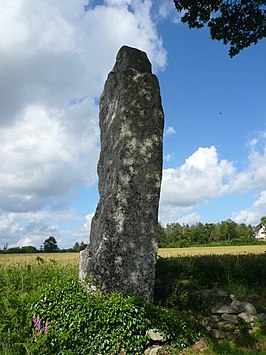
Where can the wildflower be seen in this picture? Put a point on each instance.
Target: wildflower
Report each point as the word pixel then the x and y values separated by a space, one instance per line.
pixel 46 328
pixel 37 327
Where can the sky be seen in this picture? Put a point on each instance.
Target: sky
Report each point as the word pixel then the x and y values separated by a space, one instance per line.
pixel 54 60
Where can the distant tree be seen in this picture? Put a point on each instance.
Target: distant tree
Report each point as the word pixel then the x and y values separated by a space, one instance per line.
pixel 50 245
pixel 79 246
pixel 231 230
pixel 237 22
pixel 82 245
pixel 174 232
pixel 28 249
pixel 14 250
pixel 263 221
pixel 161 235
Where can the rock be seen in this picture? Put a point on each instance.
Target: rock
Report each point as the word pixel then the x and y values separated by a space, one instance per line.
pixel 230 318
pixel 261 317
pixel 226 309
pixel 215 319
pixel 123 245
pixel 236 303
pixel 226 326
pixel 248 308
pixel 217 334
pixel 156 335
pixel 155 350
pixel 247 318
pixel 222 293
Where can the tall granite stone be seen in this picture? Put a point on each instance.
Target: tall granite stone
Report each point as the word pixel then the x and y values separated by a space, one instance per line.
pixel 122 252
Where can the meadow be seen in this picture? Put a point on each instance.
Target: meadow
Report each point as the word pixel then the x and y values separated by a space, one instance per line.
pixel 219 250
pixel 72 258
pixel 69 321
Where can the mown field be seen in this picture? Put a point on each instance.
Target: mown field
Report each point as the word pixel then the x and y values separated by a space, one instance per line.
pixel 69 321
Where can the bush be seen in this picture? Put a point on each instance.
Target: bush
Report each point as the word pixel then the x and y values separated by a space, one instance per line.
pixel 20 286
pixel 83 323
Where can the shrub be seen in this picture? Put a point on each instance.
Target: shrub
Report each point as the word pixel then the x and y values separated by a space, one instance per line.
pixel 85 323
pixel 20 286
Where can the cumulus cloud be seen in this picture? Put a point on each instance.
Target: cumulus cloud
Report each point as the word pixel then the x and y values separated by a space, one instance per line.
pixel 254 176
pixel 253 214
pixel 204 177
pixel 32 228
pixel 54 58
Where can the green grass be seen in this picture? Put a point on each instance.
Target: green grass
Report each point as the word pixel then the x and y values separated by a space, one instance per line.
pixel 241 274
pixel 20 287
pixel 48 287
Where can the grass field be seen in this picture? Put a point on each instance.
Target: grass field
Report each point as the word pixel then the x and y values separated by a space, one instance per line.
pixel 72 258
pixel 24 259
pixel 30 279
pixel 232 250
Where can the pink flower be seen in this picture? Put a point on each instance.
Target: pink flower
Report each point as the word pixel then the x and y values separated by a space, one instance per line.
pixel 46 328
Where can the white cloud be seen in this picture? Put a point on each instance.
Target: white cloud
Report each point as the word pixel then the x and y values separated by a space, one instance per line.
pixel 44 155
pixel 32 228
pixel 201 177
pixel 254 176
pixel 165 10
pixel 169 131
pixel 169 157
pixel 191 218
pixel 253 214
pixel 54 58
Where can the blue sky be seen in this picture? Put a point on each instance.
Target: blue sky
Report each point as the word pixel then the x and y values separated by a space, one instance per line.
pixel 54 59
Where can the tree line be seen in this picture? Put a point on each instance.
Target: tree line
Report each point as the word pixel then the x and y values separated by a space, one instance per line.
pixel 172 235
pixel 226 233
pixel 49 246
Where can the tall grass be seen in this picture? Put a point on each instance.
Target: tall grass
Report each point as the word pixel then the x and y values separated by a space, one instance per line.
pixel 20 286
pixel 24 283
pixel 232 272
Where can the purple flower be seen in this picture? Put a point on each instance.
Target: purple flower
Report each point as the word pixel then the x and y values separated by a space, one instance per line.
pixel 46 328
pixel 37 327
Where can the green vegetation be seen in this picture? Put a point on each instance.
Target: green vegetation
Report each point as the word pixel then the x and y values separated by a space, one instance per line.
pixel 49 246
pixel 20 287
pixel 225 233
pixel 241 274
pixel 45 310
pixel 239 23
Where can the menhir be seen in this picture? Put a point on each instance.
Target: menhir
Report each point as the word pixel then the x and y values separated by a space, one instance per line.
pixel 123 245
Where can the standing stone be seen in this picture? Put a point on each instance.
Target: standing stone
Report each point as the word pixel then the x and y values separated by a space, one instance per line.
pixel 122 252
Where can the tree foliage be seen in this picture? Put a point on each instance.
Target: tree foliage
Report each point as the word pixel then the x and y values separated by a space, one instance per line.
pixel 50 245
pixel 225 232
pixel 238 23
pixel 263 221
